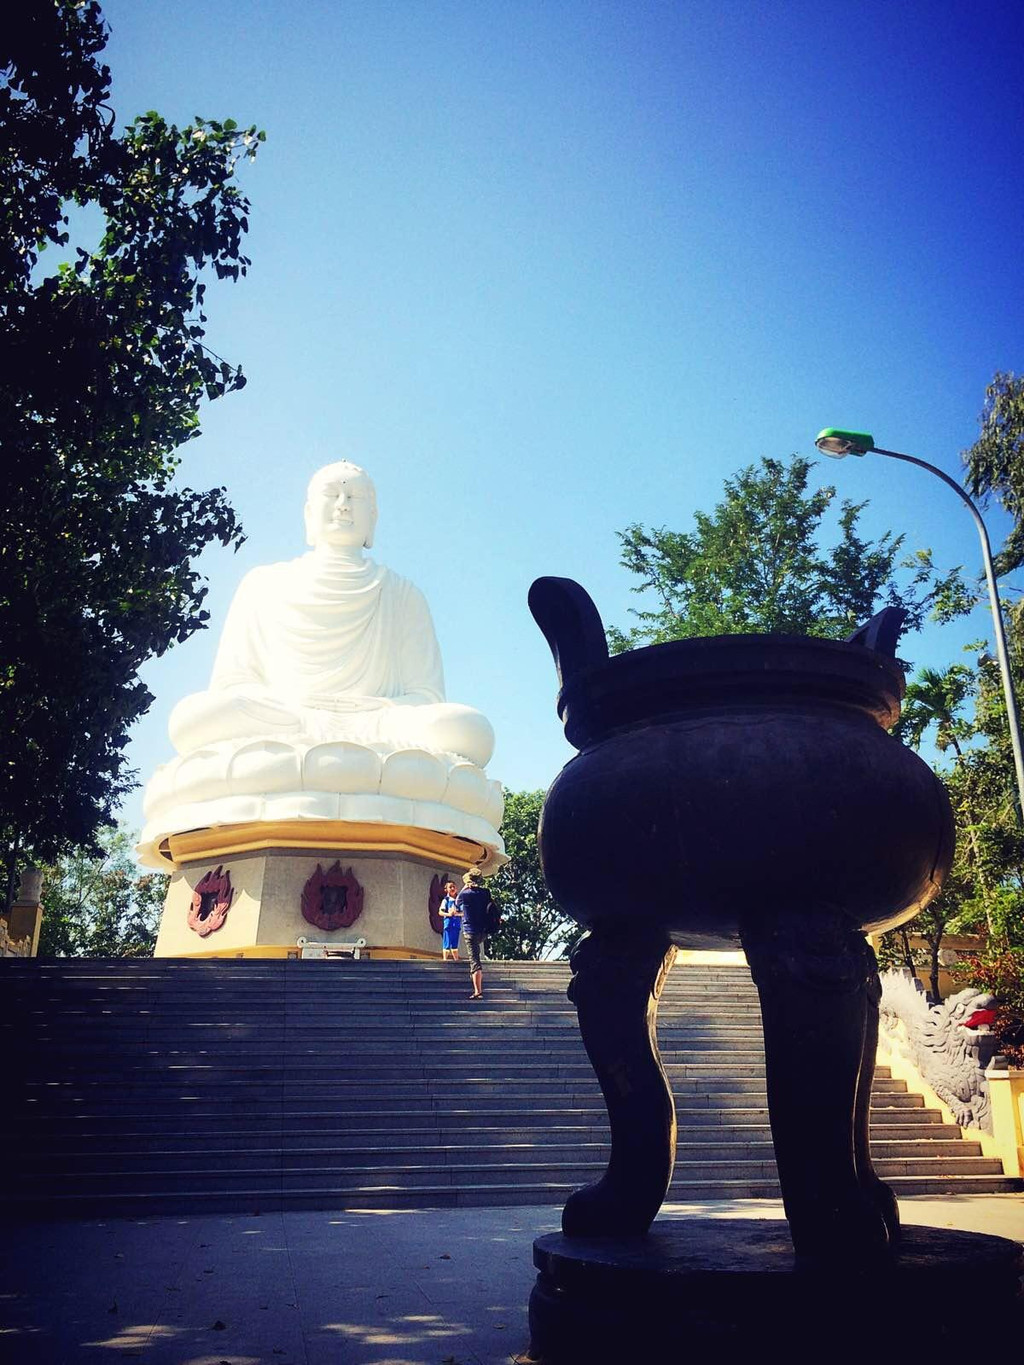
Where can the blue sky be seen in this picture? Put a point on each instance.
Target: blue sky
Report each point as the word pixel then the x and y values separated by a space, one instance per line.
pixel 550 268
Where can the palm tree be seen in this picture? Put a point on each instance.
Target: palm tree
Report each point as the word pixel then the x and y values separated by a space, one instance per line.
pixel 936 697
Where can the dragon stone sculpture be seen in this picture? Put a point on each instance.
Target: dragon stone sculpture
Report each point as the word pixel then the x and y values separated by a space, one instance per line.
pixel 949 1056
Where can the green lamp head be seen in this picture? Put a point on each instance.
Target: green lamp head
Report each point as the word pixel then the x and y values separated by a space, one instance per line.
pixel 838 443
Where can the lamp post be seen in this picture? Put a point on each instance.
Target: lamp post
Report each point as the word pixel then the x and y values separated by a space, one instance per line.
pixel 838 444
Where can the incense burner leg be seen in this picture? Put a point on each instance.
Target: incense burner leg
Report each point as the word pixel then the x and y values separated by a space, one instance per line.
pixel 617 980
pixel 871 1184
pixel 818 983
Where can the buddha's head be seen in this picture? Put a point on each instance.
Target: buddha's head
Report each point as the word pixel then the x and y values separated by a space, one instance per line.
pixel 341 506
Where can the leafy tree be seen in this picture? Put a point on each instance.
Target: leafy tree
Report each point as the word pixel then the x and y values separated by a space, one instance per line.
pixel 932 924
pixel 995 463
pixel 987 814
pixel 100 906
pixel 936 697
pixel 755 564
pixel 533 926
pixel 102 371
pixel 963 709
pixel 934 706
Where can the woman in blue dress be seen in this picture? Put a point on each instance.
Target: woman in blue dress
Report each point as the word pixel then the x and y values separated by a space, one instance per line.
pixel 452 916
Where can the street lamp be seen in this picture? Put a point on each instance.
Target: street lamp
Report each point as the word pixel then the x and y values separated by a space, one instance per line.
pixel 839 444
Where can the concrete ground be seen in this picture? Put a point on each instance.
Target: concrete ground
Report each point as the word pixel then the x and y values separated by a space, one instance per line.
pixel 441 1287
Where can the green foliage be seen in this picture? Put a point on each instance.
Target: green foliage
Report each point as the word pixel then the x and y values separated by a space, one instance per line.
pixel 100 906
pixel 533 926
pixel 755 564
pixel 937 698
pixel 893 951
pixel 962 709
pixel 995 463
pixel 759 563
pixel 982 786
pixel 102 371
pixel 932 925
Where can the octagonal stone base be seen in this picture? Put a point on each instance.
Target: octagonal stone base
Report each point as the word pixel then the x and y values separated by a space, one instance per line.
pixel 731 1289
pixel 270 864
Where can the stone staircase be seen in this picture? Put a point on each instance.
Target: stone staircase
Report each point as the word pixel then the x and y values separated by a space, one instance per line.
pixel 171 1085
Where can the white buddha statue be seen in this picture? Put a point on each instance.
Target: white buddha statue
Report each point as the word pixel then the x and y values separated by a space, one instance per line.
pixel 331 646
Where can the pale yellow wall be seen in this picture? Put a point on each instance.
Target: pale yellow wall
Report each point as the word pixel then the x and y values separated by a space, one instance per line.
pixel 238 930
pixel 267 905
pixel 395 894
pixel 24 921
pixel 1006 1090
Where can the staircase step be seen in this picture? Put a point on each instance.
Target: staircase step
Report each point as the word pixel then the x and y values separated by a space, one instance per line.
pixel 140 1149
pixel 387 1197
pixel 168 1085
pixel 587 1155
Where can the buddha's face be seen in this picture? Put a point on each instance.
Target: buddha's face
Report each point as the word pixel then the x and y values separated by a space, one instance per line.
pixel 341 507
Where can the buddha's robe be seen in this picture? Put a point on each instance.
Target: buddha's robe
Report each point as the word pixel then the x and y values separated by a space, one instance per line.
pixel 318 649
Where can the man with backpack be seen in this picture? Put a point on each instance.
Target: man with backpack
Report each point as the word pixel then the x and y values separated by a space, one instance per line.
pixel 480 917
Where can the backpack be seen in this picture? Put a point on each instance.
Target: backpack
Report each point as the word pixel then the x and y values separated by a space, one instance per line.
pixel 492 918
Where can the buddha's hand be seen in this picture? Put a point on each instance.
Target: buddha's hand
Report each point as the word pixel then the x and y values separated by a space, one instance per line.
pixel 341 704
pixel 267 711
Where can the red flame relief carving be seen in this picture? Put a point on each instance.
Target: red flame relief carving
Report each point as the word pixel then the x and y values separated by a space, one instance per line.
pixel 332 899
pixel 437 885
pixel 211 901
